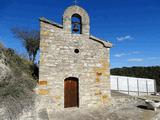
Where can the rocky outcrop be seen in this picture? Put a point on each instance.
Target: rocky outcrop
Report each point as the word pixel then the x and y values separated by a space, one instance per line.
pixel 16 84
pixel 5 72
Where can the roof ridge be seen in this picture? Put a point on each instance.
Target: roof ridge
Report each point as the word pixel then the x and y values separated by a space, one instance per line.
pixel 51 22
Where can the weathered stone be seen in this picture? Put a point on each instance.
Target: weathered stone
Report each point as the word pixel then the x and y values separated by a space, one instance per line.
pixel 42 82
pixel 59 60
pixel 43 92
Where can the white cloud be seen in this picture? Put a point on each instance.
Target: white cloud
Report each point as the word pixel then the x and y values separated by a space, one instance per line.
pixel 135 52
pixel 135 60
pixel 153 58
pixel 123 38
pixel 125 54
pixel 120 55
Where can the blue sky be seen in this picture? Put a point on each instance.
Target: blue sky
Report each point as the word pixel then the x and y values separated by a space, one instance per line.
pixel 133 26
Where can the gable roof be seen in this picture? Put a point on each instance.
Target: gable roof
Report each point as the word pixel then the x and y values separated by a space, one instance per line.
pixel 106 44
pixel 50 22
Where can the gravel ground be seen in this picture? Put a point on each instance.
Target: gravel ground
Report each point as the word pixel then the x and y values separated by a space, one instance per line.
pixel 121 113
pixel 124 108
pixel 126 112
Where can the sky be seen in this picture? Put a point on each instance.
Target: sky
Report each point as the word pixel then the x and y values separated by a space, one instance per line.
pixel 133 26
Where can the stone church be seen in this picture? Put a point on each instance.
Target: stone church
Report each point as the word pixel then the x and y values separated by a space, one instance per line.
pixel 74 65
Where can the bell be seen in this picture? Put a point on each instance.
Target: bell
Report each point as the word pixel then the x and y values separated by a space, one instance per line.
pixel 75 27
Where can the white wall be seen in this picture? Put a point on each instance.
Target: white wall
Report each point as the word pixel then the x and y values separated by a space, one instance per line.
pixel 133 86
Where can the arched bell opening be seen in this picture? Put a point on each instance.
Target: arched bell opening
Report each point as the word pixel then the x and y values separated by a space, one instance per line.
pixel 76 27
pixel 76 21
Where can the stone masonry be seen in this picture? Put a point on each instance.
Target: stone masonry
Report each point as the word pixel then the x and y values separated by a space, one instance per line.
pixel 59 61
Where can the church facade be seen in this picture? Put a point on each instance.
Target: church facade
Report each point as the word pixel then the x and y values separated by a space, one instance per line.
pixel 74 66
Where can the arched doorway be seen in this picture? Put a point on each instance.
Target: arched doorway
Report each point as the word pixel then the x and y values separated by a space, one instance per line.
pixel 71 92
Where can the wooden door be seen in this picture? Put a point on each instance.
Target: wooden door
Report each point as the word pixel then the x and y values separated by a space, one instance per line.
pixel 71 92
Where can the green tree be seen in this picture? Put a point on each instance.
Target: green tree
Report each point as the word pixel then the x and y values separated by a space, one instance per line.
pixel 30 40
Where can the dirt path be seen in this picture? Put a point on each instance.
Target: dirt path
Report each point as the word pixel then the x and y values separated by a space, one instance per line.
pixel 122 113
pixel 124 108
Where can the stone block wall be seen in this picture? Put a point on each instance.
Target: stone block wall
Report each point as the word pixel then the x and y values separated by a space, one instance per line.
pixel 59 61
